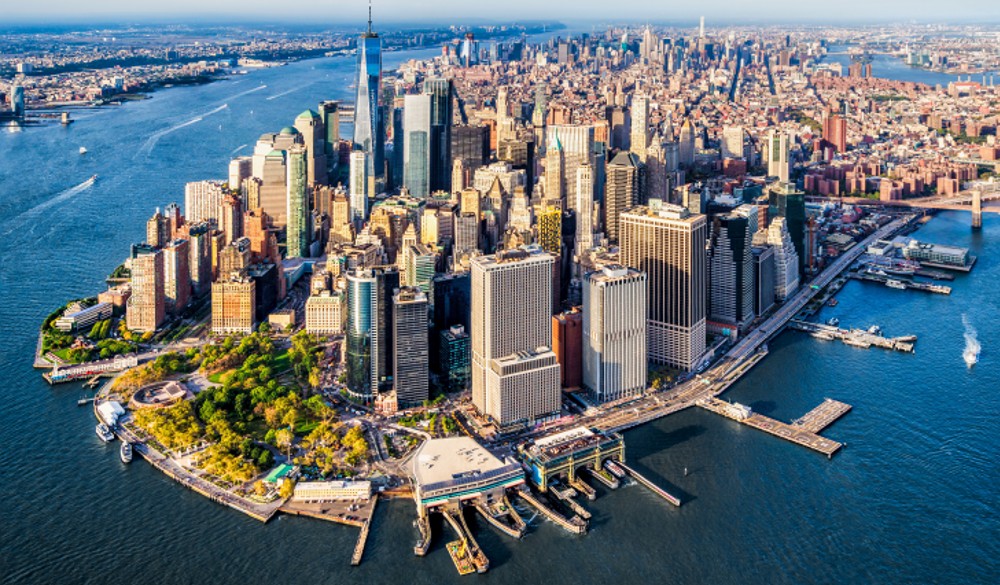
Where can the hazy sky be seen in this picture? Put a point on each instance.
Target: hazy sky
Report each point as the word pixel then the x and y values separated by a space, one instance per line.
pixel 347 11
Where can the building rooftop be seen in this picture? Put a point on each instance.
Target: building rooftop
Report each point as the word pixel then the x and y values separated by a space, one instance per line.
pixel 453 458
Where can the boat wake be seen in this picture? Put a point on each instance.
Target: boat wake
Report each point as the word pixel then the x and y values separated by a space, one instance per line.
pixel 284 93
pixel 247 92
pixel 972 346
pixel 59 198
pixel 238 148
pixel 155 137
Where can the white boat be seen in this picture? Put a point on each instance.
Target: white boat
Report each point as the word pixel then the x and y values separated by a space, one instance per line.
pixel 126 452
pixel 104 433
pixel 833 322
pixel 83 150
pixel 898 284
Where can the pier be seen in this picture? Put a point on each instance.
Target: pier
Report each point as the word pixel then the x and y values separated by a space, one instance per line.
pixel 457 521
pixel 799 434
pixel 605 478
pixel 822 416
pixel 901 283
pixel 566 496
pixel 492 514
pixel 854 337
pixel 581 486
pixel 575 525
pixel 638 477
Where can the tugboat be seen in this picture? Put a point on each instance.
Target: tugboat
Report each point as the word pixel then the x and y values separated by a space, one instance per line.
pixel 104 433
pixel 126 452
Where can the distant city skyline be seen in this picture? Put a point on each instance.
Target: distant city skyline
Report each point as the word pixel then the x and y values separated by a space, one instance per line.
pixel 399 11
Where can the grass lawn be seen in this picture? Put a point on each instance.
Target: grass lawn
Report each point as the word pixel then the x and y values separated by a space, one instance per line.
pixel 282 363
pixel 64 355
pixel 305 426
pixel 216 378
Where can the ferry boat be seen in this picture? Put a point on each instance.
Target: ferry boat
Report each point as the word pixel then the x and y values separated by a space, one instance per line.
pixel 126 452
pixel 104 433
pixel 897 284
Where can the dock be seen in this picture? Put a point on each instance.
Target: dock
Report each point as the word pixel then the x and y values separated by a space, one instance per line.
pixel 575 525
pixel 581 486
pixel 901 283
pixel 854 337
pixel 822 416
pixel 424 528
pixel 566 497
pixel 457 521
pixel 605 478
pixel 492 515
pixel 796 433
pixel 359 546
pixel 641 479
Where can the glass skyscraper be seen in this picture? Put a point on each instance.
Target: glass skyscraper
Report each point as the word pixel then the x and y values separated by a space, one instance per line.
pixel 369 127
pixel 416 144
pixel 441 113
pixel 299 227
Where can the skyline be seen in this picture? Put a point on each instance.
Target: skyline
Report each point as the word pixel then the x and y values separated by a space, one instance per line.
pixel 724 12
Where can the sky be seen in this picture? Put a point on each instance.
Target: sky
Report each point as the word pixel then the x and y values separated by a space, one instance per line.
pixel 446 11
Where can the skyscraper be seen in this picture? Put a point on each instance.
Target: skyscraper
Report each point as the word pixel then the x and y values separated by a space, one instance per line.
pixel 785 200
pixel 234 304
pixel 329 111
pixel 359 186
pixel 640 126
pixel 176 277
pixel 730 270
pixel 416 144
pixel 511 332
pixel 667 242
pixel 299 227
pixel 369 126
pixel 577 143
pixel 584 208
pixel 440 92
pixel 310 126
pixel 777 156
pixel 146 307
pixel 621 191
pixel 202 200
pixel 786 259
pixel 686 144
pixel 614 333
pixel 732 142
pixel 362 334
pixel 410 362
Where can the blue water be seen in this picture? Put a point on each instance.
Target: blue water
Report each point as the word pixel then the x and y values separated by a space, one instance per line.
pixel 912 499
pixel 891 67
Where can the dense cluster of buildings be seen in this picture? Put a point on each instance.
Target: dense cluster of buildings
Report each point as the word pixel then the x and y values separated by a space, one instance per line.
pixel 521 220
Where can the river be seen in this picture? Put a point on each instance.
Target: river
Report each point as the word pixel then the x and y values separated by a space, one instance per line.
pixel 912 499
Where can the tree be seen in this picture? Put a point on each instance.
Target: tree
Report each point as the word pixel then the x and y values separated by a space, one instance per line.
pixel 284 438
pixel 259 488
pixel 287 488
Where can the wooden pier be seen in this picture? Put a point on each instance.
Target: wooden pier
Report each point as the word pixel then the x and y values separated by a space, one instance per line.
pixel 796 433
pixel 822 416
pixel 359 546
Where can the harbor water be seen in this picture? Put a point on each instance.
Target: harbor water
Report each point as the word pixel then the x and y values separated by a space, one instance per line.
pixel 912 499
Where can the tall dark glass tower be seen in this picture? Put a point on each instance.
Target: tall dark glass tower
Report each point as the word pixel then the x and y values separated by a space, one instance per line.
pixel 441 91
pixel 369 127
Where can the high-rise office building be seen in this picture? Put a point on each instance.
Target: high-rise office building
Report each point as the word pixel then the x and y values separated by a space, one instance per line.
pixel 234 304
pixel 454 358
pixel 786 259
pixel 200 259
pixel 329 112
pixel 310 127
pixel 686 144
pixel 231 218
pixel 410 362
pixel 203 200
pixel 512 368
pixel 622 190
pixel 146 308
pixel 441 92
pixel 176 276
pixel 369 330
pixel 639 138
pixel 577 143
pixel 777 156
pixel 584 208
pixel 785 200
pixel 667 242
pixel 299 227
pixel 325 313
pixel 555 180
pixel 416 144
pixel 567 344
pixel 764 279
pixel 369 126
pixel 471 145
pixel 732 142
pixel 359 186
pixel 614 333
pixel 730 270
